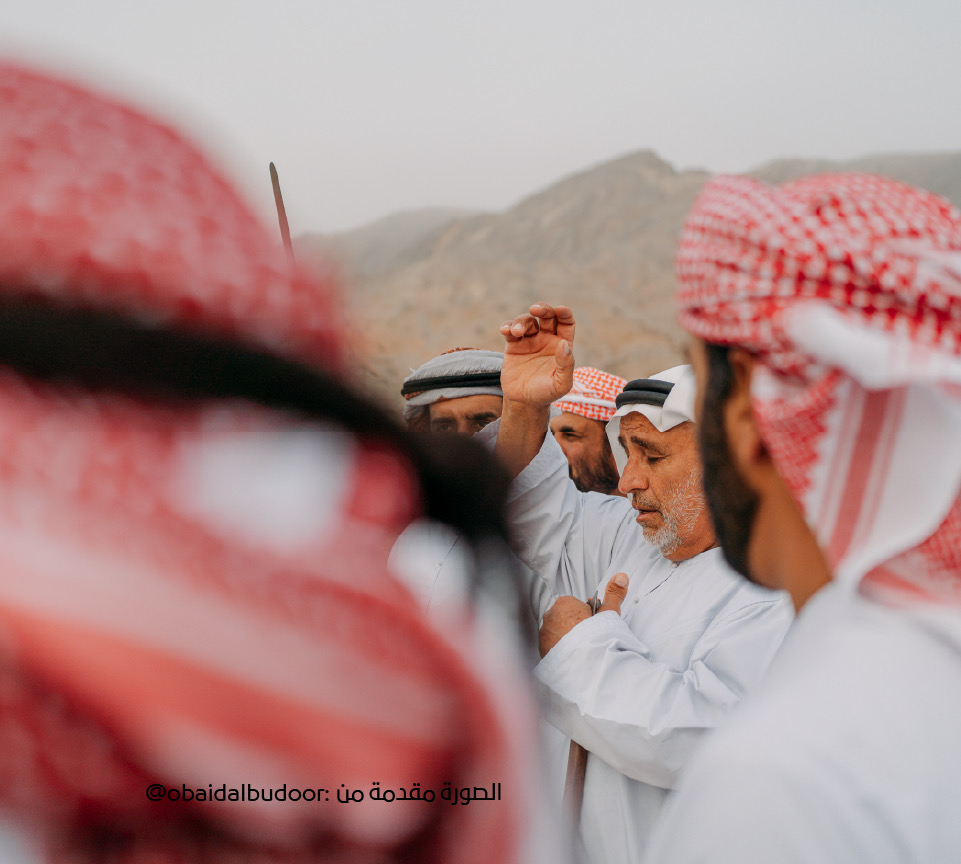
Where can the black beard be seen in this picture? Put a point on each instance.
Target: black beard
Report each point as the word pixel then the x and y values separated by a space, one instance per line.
pixel 733 504
pixel 597 476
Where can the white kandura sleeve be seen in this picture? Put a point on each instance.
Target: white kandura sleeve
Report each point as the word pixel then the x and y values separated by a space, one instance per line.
pixel 644 718
pixel 566 537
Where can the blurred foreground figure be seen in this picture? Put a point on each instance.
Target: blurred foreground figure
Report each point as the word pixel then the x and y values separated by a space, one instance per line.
pixel 580 429
pixel 195 517
pixel 828 321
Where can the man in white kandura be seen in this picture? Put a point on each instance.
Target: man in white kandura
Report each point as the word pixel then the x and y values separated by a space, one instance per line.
pixel 678 639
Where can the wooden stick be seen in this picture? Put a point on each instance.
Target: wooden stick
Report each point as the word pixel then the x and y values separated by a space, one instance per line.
pixel 576 765
pixel 574 784
pixel 281 213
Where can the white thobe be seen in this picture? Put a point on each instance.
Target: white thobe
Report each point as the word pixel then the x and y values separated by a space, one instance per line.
pixel 848 752
pixel 638 690
pixel 434 562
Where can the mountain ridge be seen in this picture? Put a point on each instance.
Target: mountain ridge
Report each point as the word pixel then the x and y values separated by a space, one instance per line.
pixel 601 239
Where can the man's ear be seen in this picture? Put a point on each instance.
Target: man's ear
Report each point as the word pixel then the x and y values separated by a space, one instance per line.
pixel 747 450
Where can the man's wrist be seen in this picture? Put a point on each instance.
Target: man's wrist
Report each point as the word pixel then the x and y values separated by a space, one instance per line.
pixel 526 414
pixel 521 433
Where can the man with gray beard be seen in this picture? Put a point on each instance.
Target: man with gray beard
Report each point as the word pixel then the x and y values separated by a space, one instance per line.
pixel 678 639
pixel 654 420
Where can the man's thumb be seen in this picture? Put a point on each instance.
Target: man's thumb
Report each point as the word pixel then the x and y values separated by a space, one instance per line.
pixel 564 373
pixel 614 594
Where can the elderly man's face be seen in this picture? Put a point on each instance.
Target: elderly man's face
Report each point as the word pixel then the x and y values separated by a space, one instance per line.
pixel 464 416
pixel 588 452
pixel 663 480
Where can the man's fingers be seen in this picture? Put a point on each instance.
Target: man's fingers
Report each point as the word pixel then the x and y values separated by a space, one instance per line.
pixel 546 315
pixel 544 312
pixel 505 330
pixel 555 319
pixel 565 323
pixel 519 327
pixel 614 594
pixel 524 325
pixel 542 318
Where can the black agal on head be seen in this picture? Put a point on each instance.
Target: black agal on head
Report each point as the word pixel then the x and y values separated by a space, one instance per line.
pixel 644 391
pixel 443 382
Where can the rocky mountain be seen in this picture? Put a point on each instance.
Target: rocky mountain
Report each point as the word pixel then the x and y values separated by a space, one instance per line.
pixel 383 246
pixel 601 241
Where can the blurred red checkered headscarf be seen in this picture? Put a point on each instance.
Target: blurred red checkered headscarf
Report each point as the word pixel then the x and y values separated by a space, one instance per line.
pixel 593 394
pixel 194 592
pixel 848 290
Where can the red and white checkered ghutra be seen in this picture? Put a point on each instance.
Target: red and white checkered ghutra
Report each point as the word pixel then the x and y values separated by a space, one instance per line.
pixel 593 394
pixel 848 290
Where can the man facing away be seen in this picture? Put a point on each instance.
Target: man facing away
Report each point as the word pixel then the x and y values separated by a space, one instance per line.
pixel 195 516
pixel 827 324
pixel 679 638
pixel 580 427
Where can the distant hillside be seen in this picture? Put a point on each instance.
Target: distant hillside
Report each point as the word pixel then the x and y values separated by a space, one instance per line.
pixel 939 172
pixel 384 245
pixel 601 240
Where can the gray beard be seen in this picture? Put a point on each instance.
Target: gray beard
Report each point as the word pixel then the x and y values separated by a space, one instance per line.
pixel 680 509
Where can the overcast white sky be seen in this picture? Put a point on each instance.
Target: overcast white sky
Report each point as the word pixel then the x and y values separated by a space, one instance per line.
pixel 372 106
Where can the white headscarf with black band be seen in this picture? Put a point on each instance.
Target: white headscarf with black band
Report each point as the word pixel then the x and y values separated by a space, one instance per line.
pixel 666 399
pixel 452 375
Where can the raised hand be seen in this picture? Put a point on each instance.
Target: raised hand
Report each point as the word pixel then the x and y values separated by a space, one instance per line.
pixel 538 357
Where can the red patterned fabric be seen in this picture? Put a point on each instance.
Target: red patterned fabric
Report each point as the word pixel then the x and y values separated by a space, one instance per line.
pixel 593 394
pixel 200 596
pixel 848 290
pixel 147 225
pixel 867 246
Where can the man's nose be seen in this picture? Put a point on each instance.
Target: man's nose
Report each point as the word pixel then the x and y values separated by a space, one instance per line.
pixel 633 478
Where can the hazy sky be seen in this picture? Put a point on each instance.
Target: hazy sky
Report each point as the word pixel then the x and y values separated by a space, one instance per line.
pixel 372 106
